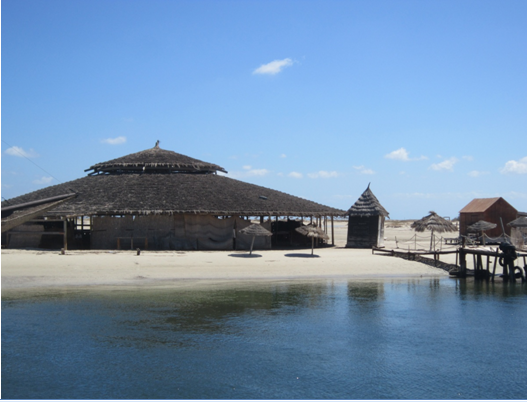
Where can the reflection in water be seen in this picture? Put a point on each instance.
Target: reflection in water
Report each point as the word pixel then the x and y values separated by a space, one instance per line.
pixel 417 339
pixel 364 293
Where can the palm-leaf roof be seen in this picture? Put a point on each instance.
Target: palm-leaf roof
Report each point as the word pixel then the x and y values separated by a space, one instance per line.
pixel 367 205
pixel 255 230
pixel 521 222
pixel 435 223
pixel 312 231
pixel 153 192
pixel 480 226
pixel 157 160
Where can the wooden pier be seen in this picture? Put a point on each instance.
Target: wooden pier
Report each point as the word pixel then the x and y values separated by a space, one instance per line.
pixel 484 262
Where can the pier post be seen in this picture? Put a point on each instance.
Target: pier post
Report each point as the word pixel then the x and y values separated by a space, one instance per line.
pixel 463 260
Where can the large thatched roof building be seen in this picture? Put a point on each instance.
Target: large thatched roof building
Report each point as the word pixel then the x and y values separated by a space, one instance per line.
pixel 158 199
pixel 366 222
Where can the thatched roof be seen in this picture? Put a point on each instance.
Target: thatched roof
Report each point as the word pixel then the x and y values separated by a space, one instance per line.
pixel 255 230
pixel 519 223
pixel 435 223
pixel 176 193
pixel 155 160
pixel 367 205
pixel 312 231
pixel 481 226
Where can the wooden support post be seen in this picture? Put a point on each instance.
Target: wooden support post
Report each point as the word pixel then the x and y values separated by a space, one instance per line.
pixel 332 232
pixel 494 269
pixel 462 260
pixel 65 233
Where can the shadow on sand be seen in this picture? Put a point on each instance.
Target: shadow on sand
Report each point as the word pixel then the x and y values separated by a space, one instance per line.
pixel 245 255
pixel 301 255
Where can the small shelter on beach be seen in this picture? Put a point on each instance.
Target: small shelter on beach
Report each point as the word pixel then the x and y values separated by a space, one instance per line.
pixel 494 210
pixel 366 222
pixel 480 227
pixel 312 232
pixel 158 199
pixel 434 223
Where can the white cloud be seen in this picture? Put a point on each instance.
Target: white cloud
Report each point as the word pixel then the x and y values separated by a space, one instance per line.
pixel 477 173
pixel 17 151
pixel 363 170
pixel 43 180
pixel 114 141
pixel 447 164
pixel 402 154
pixel 283 156
pixel 295 175
pixel 468 158
pixel 248 172
pixel 322 174
pixel 257 172
pixel 247 167
pixel 519 167
pixel 273 67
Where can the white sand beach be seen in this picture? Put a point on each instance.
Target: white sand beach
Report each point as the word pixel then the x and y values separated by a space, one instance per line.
pixel 39 269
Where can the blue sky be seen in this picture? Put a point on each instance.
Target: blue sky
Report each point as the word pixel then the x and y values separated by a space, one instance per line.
pixel 427 100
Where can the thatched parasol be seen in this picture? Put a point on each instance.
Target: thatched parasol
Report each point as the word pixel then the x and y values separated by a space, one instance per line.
pixel 312 231
pixel 255 230
pixel 433 222
pixel 519 223
pixel 481 226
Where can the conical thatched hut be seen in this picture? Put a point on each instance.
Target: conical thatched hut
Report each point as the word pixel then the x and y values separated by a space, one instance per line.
pixel 157 199
pixel 366 222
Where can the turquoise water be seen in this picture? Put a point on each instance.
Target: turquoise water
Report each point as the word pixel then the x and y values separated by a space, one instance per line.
pixel 419 339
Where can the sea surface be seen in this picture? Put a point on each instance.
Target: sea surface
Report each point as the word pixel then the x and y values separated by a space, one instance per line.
pixel 398 339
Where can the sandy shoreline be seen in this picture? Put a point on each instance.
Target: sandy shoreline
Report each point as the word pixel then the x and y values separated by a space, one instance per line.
pixel 36 269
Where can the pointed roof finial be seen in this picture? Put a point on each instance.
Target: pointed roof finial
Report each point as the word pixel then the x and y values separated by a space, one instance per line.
pixel 157 144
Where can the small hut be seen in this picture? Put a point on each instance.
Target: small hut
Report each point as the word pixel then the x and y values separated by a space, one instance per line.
pixel 366 222
pixel 490 210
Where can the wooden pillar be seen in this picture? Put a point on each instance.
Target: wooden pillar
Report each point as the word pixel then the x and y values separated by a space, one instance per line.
pixel 462 260
pixel 332 232
pixel 494 267
pixel 65 233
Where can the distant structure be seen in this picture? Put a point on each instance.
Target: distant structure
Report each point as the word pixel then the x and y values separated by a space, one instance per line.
pixel 366 222
pixel 156 199
pixel 489 210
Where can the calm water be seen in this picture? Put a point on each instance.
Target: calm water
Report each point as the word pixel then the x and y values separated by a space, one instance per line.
pixel 423 339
